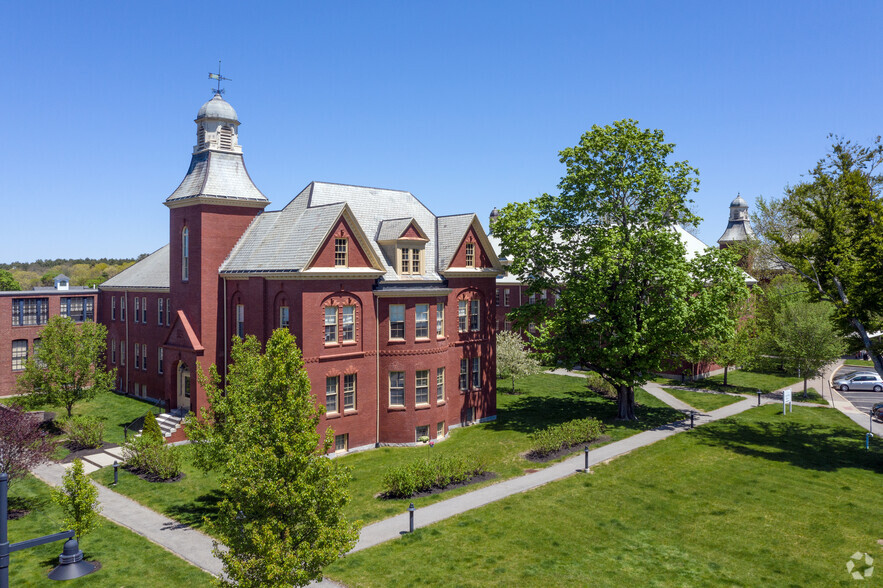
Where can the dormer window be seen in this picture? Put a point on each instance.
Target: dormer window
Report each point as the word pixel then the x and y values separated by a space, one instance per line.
pixel 340 252
pixel 470 254
pixel 410 261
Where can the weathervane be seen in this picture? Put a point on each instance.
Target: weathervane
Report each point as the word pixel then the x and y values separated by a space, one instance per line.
pixel 219 77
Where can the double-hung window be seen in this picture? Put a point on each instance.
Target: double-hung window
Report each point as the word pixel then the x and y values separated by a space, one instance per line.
pixel 159 312
pixel 340 252
pixel 473 315
pixel 331 385
pixel 464 374
pixel 440 319
pixel 144 310
pixel 19 354
pixel 159 358
pixel 396 321
pixel 113 351
pixel 331 324
pixel 440 385
pixel 396 388
pixel 506 297
pixel 123 308
pixel 137 316
pixel 168 310
pixel 348 324
pixel 113 308
pixel 421 323
pixel 476 373
pixel 421 387
pixel 137 355
pixel 470 254
pixel 349 392
pixel 144 357
pixel 283 317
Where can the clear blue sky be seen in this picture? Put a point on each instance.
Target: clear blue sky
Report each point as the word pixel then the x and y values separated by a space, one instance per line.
pixel 465 104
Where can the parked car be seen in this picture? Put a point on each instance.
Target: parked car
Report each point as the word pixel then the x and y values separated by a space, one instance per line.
pixel 860 381
pixel 877 411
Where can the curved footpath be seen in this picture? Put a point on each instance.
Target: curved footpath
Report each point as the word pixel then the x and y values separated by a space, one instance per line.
pixel 196 547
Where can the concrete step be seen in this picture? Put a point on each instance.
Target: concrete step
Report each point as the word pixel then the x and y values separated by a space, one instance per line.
pixel 169 422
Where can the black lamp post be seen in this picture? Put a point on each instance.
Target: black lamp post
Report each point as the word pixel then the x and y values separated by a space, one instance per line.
pixel 70 563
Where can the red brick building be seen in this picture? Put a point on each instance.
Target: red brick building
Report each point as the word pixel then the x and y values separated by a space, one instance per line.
pixel 393 306
pixel 23 315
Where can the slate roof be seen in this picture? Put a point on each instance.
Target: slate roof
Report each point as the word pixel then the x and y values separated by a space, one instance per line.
pixel 216 174
pixel 737 230
pixel 285 241
pixel 150 272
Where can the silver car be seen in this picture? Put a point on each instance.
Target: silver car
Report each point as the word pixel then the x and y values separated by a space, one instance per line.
pixel 860 381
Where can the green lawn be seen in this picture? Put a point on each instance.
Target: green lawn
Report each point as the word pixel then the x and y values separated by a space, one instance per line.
pixel 746 382
pixel 127 559
pixel 704 401
pixel 760 499
pixel 859 362
pixel 115 409
pixel 544 400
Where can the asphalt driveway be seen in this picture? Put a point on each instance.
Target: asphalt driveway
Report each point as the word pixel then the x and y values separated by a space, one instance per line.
pixel 862 401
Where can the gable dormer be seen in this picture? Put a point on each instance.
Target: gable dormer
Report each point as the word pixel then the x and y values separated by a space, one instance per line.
pixel 465 249
pixel 404 241
pixel 341 249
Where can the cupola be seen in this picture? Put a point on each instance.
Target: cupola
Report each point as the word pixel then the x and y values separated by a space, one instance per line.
pixel 217 127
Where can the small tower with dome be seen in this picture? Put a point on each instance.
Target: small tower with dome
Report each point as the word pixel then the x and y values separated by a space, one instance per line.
pixel 739 226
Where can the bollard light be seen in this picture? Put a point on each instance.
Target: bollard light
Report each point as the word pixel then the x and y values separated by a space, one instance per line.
pixel 868 441
pixel 587 459
pixel 692 415
pixel 758 397
pixel 116 472
pixel 411 510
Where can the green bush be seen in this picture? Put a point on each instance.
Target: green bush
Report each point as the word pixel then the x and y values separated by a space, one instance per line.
pixel 151 429
pixel 144 455
pixel 438 471
pixel 567 434
pixel 84 431
pixel 599 385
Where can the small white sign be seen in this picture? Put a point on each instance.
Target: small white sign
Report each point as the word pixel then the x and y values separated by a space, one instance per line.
pixel 786 395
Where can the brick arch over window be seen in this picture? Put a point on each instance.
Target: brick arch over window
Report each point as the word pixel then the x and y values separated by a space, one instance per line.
pixel 342 318
pixel 238 312
pixel 470 308
pixel 282 310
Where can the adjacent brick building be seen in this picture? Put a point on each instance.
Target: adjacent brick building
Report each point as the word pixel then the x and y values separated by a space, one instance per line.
pixel 23 314
pixel 393 306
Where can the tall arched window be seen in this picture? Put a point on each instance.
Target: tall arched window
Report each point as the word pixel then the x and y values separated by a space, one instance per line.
pixel 185 254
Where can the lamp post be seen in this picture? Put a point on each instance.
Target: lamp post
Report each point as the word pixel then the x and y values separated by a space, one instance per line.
pixel 70 563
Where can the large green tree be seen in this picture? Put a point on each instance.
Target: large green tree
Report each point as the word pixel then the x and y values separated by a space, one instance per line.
pixel 282 512
pixel 828 231
pixel 8 282
pixel 68 366
pixel 628 297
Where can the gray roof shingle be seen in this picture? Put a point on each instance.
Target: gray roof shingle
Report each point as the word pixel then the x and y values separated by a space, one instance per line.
pixel 150 272
pixel 216 174
pixel 451 230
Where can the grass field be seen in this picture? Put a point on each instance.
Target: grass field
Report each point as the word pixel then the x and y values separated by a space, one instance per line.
pixel 746 382
pixel 760 499
pixel 860 362
pixel 704 401
pixel 544 400
pixel 127 559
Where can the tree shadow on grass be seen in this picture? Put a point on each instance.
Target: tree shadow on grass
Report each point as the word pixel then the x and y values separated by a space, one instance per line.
pixel 193 513
pixel 808 446
pixel 528 414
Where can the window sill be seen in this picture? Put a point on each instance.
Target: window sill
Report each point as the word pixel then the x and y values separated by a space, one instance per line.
pixel 331 344
pixel 422 406
pixel 396 341
pixel 441 402
pixel 349 343
pixel 396 408
pixel 332 415
pixel 422 340
pixel 350 411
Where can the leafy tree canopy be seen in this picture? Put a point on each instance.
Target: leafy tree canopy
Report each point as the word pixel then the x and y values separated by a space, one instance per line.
pixel 628 297
pixel 67 366
pixel 828 231
pixel 7 282
pixel 513 358
pixel 23 444
pixel 282 512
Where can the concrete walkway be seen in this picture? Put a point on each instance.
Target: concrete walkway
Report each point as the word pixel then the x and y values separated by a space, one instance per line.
pixel 183 541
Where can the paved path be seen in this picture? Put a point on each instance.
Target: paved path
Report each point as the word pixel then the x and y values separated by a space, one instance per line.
pixel 183 541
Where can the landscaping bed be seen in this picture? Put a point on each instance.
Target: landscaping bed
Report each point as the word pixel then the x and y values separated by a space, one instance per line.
pixel 565 451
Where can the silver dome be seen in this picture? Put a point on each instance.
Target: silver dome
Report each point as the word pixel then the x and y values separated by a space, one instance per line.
pixel 739 201
pixel 217 107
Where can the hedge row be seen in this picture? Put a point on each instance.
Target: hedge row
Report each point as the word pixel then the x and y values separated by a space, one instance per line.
pixel 567 434
pixel 438 471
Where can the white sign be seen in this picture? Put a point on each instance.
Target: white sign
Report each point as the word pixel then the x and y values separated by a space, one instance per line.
pixel 786 401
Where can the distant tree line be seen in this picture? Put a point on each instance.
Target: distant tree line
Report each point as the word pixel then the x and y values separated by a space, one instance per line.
pixel 82 272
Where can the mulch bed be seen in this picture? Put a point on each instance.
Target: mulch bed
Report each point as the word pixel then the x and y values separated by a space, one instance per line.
pixel 78 452
pixel 16 513
pixel 435 490
pixel 530 456
pixel 148 477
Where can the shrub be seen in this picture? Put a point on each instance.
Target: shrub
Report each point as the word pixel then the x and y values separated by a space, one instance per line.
pixel 423 474
pixel 78 498
pixel 151 429
pixel 600 386
pixel 84 431
pixel 23 444
pixel 144 455
pixel 568 434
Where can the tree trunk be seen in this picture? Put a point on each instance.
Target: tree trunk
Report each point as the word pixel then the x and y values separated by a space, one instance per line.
pixel 70 410
pixel 513 384
pixel 626 401
pixel 725 374
pixel 866 342
pixel 804 389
